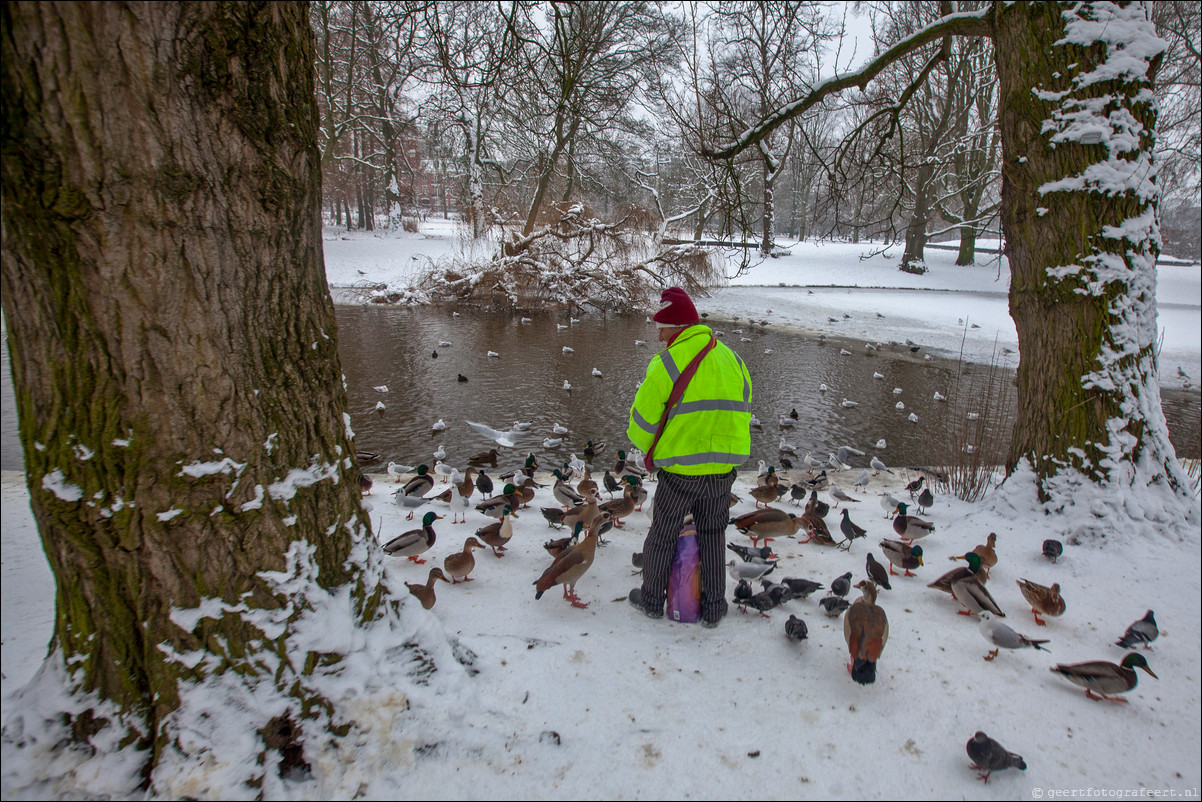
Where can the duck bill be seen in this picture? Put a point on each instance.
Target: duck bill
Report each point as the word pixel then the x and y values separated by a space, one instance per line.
pixel 1150 671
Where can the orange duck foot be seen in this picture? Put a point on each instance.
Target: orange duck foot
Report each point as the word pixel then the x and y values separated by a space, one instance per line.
pixel 965 612
pixel 991 655
pixel 1037 621
pixel 415 559
pixel 908 573
pixel 1100 697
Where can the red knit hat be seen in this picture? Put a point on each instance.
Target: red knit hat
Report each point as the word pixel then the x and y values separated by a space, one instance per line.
pixel 675 309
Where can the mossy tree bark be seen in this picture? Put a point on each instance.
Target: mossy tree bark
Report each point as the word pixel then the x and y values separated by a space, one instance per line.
pixel 173 339
pixel 1077 121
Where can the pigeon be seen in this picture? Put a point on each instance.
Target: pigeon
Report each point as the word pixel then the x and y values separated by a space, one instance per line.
pixel 1143 631
pixel 795 629
pixel 842 585
pixel 915 486
pixel 1052 549
pixel 1003 637
pixel 833 605
pixel 761 554
pixel 925 499
pixel 801 588
pixel 988 756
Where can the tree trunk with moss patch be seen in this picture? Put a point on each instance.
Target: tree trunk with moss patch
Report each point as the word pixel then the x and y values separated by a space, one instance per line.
pixel 1078 209
pixel 173 342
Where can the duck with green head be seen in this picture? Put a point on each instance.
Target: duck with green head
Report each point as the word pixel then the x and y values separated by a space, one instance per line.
pixel 1099 677
pixel 415 542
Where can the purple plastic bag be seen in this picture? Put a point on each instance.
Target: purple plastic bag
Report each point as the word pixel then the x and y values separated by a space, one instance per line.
pixel 684 583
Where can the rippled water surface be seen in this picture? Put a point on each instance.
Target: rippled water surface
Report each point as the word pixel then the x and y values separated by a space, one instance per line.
pixel 395 347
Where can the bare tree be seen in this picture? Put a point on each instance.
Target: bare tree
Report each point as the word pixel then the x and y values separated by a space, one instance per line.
pixel 1077 123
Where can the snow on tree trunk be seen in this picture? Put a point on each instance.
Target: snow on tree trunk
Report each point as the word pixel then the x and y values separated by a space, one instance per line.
pixel 188 454
pixel 1079 202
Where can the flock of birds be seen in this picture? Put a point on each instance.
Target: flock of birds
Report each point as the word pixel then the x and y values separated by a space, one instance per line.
pixel 586 517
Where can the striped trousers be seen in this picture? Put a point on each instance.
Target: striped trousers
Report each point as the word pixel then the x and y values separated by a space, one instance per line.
pixel 708 499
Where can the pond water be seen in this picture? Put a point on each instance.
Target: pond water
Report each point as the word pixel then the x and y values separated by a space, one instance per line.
pixel 395 347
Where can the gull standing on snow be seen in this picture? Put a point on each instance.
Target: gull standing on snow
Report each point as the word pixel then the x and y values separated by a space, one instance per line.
pixel 1003 637
pixel 878 465
pixel 838 495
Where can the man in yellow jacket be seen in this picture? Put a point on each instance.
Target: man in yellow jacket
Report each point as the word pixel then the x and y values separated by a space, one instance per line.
pixel 706 436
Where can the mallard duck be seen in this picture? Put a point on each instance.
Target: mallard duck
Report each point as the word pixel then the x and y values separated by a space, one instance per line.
pixel 946 581
pixel 419 485
pixel 461 563
pixel 1003 637
pixel 497 535
pixel 415 542
pixel 571 565
pixel 560 545
pixel 425 593
pixel 494 506
pixel 986 551
pixel 817 530
pixel 1099 677
pixel 483 458
pixel 866 630
pixel 851 530
pixel 903 555
pixel 910 527
pixel 988 756
pixel 817 507
pixel 619 508
pixel 971 592
pixel 766 525
pixel 591 449
pixel 1143 631
pixel 525 491
pixel 877 572
pixel 764 494
pixel 564 493
pixel 588 485
pixel 584 513
pixel 1042 600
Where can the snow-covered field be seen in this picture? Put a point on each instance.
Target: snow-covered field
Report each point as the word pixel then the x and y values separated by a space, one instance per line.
pixel 604 703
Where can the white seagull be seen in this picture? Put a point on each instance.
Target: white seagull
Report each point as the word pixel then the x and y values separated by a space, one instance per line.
pixel 383 388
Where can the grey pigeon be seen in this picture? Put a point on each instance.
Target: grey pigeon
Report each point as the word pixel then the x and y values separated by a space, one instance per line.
pixel 795 629
pixel 833 605
pixel 842 586
pixel 801 587
pixel 925 499
pixel 988 756
pixel 1052 549
pixel 1143 631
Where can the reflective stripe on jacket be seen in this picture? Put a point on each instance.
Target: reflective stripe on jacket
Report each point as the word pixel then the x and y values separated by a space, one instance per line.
pixel 709 431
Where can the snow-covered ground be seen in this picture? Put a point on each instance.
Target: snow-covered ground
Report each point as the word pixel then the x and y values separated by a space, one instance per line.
pixel 605 703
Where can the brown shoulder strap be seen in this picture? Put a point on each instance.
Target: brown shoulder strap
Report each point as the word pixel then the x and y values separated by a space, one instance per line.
pixel 678 388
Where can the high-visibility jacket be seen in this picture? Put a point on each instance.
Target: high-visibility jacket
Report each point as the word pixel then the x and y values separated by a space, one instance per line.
pixel 709 430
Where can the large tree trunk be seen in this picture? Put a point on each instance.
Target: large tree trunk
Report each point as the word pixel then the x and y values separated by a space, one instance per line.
pixel 1079 212
pixel 173 348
